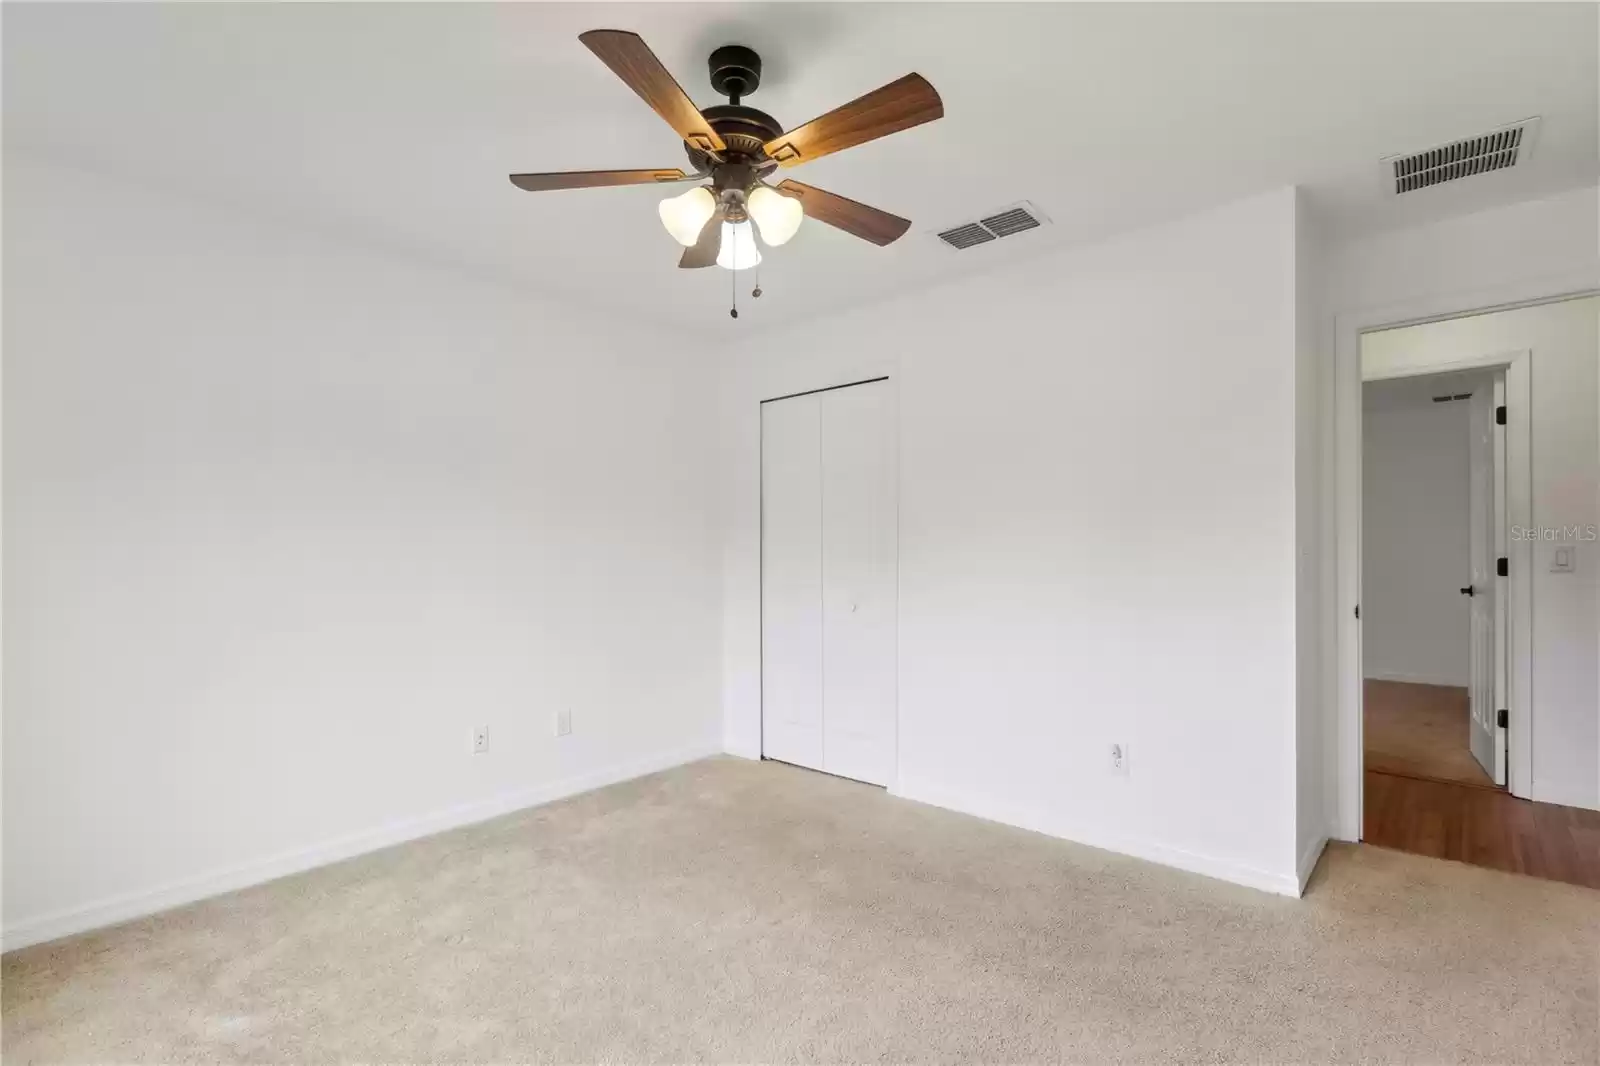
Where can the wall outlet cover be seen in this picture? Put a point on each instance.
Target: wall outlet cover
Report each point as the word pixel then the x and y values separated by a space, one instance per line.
pixel 480 739
pixel 1119 760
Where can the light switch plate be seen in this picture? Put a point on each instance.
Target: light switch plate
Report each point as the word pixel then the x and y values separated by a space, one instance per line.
pixel 1564 561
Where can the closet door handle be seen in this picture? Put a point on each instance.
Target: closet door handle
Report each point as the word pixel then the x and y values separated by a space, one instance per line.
pixel 1468 591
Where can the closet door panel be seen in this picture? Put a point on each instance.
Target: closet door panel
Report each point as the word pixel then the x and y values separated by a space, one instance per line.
pixel 791 582
pixel 859 538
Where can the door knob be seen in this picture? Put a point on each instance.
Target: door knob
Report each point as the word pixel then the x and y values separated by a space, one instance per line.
pixel 1467 591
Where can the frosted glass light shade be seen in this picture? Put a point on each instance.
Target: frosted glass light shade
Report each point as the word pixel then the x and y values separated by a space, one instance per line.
pixel 778 216
pixel 685 216
pixel 739 249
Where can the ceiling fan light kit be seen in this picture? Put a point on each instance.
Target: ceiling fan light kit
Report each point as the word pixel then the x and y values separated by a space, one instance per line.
pixel 738 251
pixel 684 215
pixel 735 148
pixel 777 216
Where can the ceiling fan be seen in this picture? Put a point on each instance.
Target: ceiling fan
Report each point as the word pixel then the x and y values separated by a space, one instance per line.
pixel 737 147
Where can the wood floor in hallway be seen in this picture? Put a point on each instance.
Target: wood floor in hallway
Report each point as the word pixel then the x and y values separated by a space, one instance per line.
pixel 1419 731
pixel 1482 826
pixel 1425 793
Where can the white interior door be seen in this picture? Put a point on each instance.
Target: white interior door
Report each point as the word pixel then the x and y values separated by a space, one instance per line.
pixel 858 582
pixel 791 580
pixel 828 581
pixel 1486 502
pixel 1500 654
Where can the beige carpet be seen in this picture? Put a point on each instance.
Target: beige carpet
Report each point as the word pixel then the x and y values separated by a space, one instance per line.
pixel 733 910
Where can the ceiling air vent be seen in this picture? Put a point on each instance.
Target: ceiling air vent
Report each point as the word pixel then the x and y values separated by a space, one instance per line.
pixel 1017 218
pixel 965 236
pixel 1495 150
pixel 1006 223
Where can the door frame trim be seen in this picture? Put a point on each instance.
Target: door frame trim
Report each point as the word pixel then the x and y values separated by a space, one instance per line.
pixel 825 388
pixel 1346 803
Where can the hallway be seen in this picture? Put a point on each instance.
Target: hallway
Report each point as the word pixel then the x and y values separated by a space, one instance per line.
pixel 1419 731
pixel 1482 826
pixel 1425 794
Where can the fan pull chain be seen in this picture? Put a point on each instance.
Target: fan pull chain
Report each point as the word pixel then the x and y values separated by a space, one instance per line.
pixel 755 293
pixel 733 279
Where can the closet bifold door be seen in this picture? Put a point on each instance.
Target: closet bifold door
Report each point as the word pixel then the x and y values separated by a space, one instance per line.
pixel 828 581
pixel 791 581
pixel 859 567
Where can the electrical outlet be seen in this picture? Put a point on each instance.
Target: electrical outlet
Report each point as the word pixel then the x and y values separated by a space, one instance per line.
pixel 480 739
pixel 563 722
pixel 1119 760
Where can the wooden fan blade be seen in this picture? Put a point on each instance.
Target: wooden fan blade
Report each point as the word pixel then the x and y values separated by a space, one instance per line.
pixel 706 248
pixel 594 179
pixel 841 212
pixel 911 101
pixel 631 60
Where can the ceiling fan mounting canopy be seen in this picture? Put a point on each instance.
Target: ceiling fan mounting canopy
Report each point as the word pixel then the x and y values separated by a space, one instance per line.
pixel 735 71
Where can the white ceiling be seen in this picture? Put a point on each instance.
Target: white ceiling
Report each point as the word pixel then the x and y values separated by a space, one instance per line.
pixel 398 123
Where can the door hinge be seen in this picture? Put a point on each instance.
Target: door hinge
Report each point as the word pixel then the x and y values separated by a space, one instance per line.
pixel 1358 612
pixel 1500 415
pixel 1502 718
pixel 1502 566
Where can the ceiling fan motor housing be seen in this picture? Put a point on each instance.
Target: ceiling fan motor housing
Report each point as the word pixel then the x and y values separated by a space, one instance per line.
pixel 735 73
pixel 744 130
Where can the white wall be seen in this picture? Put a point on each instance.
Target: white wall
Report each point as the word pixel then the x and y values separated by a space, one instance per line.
pixel 1539 244
pixel 1313 378
pixel 1097 537
pixel 1564 344
pixel 285 519
pixel 1416 543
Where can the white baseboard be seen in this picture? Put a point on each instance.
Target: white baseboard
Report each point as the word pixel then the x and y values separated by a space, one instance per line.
pixel 985 807
pixel 1236 873
pixel 1284 884
pixel 127 906
pixel 1308 861
pixel 1564 796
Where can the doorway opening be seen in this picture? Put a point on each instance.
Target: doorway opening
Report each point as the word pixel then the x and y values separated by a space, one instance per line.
pixel 1536 808
pixel 1435 591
